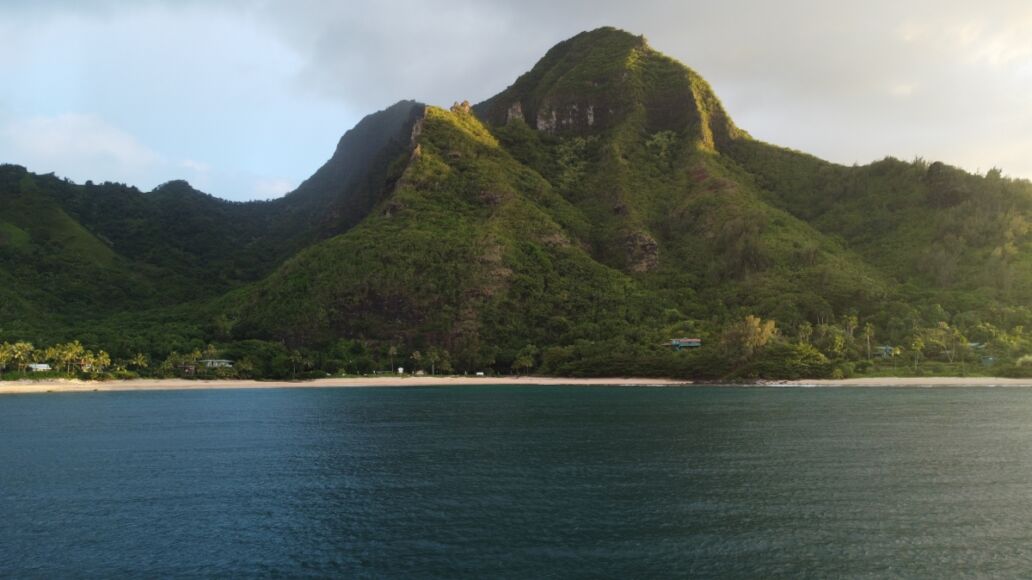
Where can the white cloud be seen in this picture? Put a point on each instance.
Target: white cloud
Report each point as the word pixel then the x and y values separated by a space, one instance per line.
pixel 257 89
pixel 85 147
pixel 902 89
pixel 195 166
pixel 78 146
pixel 268 188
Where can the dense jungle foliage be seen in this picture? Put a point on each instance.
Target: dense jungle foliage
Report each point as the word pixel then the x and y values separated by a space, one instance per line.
pixel 574 224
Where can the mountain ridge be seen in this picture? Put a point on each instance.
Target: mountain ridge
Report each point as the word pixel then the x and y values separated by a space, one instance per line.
pixel 598 206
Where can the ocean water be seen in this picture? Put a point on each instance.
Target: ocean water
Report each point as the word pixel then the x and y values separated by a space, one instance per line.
pixel 521 482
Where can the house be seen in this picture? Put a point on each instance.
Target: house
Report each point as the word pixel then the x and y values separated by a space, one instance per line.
pixel 682 343
pixel 883 350
pixel 217 363
pixel 39 367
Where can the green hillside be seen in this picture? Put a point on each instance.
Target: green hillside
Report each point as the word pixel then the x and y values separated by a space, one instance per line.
pixel 75 255
pixel 573 224
pixel 53 271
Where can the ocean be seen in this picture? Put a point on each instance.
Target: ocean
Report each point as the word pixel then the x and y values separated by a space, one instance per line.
pixel 523 482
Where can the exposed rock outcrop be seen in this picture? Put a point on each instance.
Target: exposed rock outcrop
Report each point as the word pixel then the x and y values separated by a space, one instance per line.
pixel 642 251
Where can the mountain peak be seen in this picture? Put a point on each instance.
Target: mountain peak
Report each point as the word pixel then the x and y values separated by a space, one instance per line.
pixel 176 187
pixel 602 78
pixel 605 34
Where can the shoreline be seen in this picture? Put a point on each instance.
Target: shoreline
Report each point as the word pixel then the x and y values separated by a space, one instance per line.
pixel 902 382
pixel 77 386
pixel 73 386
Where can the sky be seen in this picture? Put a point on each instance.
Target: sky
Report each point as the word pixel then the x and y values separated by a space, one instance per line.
pixel 246 99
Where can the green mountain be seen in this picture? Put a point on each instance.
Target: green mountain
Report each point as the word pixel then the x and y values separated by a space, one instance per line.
pixel 574 223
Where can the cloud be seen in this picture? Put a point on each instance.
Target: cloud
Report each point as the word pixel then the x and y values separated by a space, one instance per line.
pixel 195 166
pixel 266 89
pixel 85 147
pixel 819 76
pixel 79 146
pixel 902 90
pixel 271 187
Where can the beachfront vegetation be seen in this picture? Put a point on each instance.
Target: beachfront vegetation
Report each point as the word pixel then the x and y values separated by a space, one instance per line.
pixel 572 225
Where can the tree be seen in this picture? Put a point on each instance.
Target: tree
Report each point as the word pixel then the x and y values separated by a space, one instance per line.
pixel 210 352
pixel 139 361
pixel 392 352
pixel 831 339
pixel 51 354
pixel 525 358
pixel 444 363
pixel 805 332
pixel 21 354
pixel 223 326
pixel 434 356
pixel 244 367
pixel 917 345
pixel 69 354
pixel 744 338
pixel 6 356
pixel 171 362
pixel 96 363
pixel 868 335
pixel 298 360
pixel 417 358
pixel 946 340
pixel 849 324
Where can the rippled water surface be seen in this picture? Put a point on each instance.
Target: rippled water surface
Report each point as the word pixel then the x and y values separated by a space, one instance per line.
pixel 521 482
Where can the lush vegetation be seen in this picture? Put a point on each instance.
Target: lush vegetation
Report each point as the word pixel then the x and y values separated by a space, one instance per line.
pixel 572 225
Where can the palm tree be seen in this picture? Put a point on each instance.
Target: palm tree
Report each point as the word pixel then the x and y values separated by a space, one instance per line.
pixel 21 354
pixel 433 356
pixel 298 359
pixel 868 335
pixel 100 361
pixel 69 353
pixel 917 346
pixel 139 360
pixel 6 356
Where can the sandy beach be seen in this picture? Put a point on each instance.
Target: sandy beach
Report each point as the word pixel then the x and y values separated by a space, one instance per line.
pixel 915 382
pixel 72 386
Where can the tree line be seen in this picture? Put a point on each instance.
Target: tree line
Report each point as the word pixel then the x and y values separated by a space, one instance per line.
pixel 747 347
